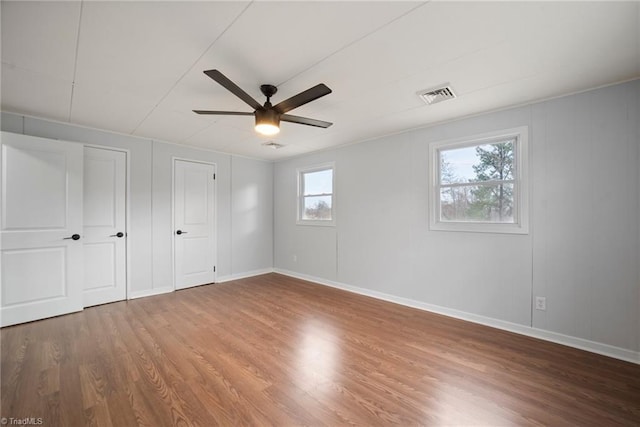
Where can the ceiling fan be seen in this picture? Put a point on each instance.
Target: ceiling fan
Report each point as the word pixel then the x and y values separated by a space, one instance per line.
pixel 268 117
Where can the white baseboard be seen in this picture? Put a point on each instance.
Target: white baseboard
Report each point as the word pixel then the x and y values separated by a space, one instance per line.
pixel 149 293
pixel 580 343
pixel 244 275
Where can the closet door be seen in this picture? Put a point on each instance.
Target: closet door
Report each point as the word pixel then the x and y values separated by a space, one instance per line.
pixel 41 242
pixel 105 229
pixel 193 212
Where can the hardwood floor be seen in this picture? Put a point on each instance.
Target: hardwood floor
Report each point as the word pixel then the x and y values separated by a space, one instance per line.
pixel 272 350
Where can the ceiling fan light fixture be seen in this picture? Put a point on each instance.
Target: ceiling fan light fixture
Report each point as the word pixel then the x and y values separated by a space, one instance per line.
pixel 268 116
pixel 267 129
pixel 267 122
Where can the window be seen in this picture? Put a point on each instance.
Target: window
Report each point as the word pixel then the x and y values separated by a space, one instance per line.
pixel 480 183
pixel 315 195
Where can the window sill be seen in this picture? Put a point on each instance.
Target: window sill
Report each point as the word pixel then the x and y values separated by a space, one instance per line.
pixel 477 227
pixel 331 223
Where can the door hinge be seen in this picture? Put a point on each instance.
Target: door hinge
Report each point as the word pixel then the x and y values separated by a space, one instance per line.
pixel 214 176
pixel 214 268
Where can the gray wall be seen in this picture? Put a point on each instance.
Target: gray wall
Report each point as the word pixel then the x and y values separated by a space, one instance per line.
pixel 251 215
pixel 582 251
pixel 239 252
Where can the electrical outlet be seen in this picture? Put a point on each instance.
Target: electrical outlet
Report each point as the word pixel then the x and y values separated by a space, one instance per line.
pixel 541 303
pixel 295 258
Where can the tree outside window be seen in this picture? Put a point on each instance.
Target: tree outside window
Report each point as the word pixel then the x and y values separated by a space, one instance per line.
pixel 315 195
pixel 477 183
pixel 480 182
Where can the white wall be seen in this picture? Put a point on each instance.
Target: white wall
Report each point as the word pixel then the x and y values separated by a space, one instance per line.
pixel 163 155
pixel 582 252
pixel 313 246
pixel 252 215
pixel 151 187
pixel 586 215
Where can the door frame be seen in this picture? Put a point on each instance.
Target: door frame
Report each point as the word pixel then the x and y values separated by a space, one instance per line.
pixel 127 219
pixel 173 215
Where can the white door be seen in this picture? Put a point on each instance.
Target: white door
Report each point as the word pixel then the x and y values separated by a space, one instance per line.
pixel 105 231
pixel 193 210
pixel 42 254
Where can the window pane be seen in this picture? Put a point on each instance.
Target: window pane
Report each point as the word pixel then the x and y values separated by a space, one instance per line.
pixel 478 163
pixel 483 203
pixel 317 208
pixel 320 182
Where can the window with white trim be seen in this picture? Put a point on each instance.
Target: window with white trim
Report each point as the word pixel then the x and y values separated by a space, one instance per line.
pixel 480 183
pixel 315 195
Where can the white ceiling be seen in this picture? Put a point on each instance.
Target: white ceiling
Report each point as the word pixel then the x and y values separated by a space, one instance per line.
pixel 136 67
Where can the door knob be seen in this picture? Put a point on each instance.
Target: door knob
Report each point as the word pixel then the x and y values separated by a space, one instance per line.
pixel 118 234
pixel 179 232
pixel 74 237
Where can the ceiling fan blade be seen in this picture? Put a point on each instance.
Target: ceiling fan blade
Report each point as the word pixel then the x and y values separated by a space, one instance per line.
pixel 233 88
pixel 304 121
pixel 223 113
pixel 302 98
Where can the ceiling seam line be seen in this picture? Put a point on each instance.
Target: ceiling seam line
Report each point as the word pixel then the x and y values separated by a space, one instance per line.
pixel 193 65
pixel 199 131
pixel 353 42
pixel 75 62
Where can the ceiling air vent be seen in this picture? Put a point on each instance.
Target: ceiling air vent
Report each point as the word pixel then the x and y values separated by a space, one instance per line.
pixel 437 94
pixel 273 145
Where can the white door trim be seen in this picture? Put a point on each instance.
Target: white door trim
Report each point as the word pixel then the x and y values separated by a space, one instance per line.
pixel 127 202
pixel 173 219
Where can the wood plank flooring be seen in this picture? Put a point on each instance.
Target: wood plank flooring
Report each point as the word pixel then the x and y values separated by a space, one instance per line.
pixel 272 350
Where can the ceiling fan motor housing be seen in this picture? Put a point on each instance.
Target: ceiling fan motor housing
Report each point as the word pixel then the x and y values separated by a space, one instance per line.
pixel 267 116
